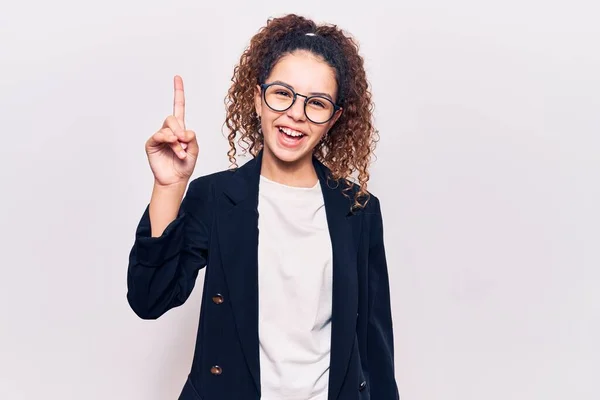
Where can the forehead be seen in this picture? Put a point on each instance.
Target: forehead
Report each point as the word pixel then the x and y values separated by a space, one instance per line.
pixel 305 72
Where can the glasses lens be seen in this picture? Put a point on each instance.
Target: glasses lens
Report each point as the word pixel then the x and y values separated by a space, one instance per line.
pixel 319 109
pixel 278 97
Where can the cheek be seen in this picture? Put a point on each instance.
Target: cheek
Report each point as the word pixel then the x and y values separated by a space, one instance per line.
pixel 267 118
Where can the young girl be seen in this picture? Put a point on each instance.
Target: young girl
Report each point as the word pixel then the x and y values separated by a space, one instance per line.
pixel 296 302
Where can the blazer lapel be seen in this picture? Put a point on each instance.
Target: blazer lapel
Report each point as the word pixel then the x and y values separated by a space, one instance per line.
pixel 344 230
pixel 237 230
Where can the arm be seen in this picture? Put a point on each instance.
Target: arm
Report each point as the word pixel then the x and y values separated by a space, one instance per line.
pixel 164 262
pixel 164 206
pixel 380 336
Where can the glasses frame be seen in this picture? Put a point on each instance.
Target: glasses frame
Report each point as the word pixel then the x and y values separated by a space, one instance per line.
pixel 265 86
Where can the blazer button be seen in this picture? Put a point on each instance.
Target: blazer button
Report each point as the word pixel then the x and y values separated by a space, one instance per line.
pixel 218 299
pixel 362 386
pixel 216 370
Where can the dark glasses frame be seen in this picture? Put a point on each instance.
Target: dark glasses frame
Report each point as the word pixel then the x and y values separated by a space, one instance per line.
pixel 265 86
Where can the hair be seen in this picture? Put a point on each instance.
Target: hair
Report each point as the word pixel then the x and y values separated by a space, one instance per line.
pixel 349 145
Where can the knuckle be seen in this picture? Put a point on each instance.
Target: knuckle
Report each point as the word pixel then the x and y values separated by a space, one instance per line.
pixel 165 135
pixel 157 137
pixel 161 135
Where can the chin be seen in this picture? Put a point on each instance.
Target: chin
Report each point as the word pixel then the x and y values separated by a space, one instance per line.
pixel 288 156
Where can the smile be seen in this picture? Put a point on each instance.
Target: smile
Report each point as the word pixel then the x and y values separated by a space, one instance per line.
pixel 290 132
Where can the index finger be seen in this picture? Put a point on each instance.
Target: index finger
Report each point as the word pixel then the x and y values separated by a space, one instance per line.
pixel 179 101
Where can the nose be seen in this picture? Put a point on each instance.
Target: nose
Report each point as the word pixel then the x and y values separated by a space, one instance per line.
pixel 296 111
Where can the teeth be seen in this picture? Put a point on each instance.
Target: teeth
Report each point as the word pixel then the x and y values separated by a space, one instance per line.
pixel 291 132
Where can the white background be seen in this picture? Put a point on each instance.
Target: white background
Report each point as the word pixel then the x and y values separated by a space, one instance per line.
pixel 488 171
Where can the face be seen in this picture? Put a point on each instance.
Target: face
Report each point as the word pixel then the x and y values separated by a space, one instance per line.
pixel 289 136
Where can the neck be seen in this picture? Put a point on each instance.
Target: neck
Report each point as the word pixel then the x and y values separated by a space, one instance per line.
pixel 300 173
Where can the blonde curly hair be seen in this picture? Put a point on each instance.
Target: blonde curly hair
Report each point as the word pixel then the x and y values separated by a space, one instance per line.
pixel 349 145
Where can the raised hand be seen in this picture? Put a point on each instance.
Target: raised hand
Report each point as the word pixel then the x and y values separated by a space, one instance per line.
pixel 172 151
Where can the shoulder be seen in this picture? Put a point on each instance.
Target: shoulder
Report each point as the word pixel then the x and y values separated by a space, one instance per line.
pixel 211 179
pixel 202 194
pixel 218 180
pixel 350 190
pixel 372 205
pixel 209 183
pixel 371 215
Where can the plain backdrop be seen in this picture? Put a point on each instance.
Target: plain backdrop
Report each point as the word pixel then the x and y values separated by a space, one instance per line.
pixel 488 171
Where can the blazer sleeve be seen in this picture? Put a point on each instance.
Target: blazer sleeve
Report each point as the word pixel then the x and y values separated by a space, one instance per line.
pixel 380 336
pixel 162 270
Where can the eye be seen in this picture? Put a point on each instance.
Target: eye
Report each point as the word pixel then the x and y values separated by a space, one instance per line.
pixel 283 93
pixel 317 103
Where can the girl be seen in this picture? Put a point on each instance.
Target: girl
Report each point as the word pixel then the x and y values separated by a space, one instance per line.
pixel 296 302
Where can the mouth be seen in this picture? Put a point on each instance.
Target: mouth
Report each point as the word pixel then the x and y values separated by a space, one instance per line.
pixel 289 137
pixel 291 133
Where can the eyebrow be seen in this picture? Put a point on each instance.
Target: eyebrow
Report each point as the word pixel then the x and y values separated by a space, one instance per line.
pixel 310 94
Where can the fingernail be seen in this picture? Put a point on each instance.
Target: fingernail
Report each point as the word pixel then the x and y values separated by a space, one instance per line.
pixel 182 154
pixel 184 145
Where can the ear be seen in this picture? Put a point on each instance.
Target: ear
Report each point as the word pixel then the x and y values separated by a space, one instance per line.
pixel 258 100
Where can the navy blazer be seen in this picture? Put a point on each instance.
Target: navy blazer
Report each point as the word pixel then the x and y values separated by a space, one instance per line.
pixel 217 227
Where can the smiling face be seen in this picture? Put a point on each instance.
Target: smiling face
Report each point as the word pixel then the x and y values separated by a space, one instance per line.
pixel 289 136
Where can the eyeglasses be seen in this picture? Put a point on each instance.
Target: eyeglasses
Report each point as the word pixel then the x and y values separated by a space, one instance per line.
pixel 280 97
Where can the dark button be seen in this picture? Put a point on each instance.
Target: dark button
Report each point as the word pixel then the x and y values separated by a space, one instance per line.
pixel 218 299
pixel 362 386
pixel 216 370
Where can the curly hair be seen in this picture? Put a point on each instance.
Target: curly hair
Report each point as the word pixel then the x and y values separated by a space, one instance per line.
pixel 349 146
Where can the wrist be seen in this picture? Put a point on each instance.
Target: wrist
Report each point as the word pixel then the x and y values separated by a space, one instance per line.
pixel 171 187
